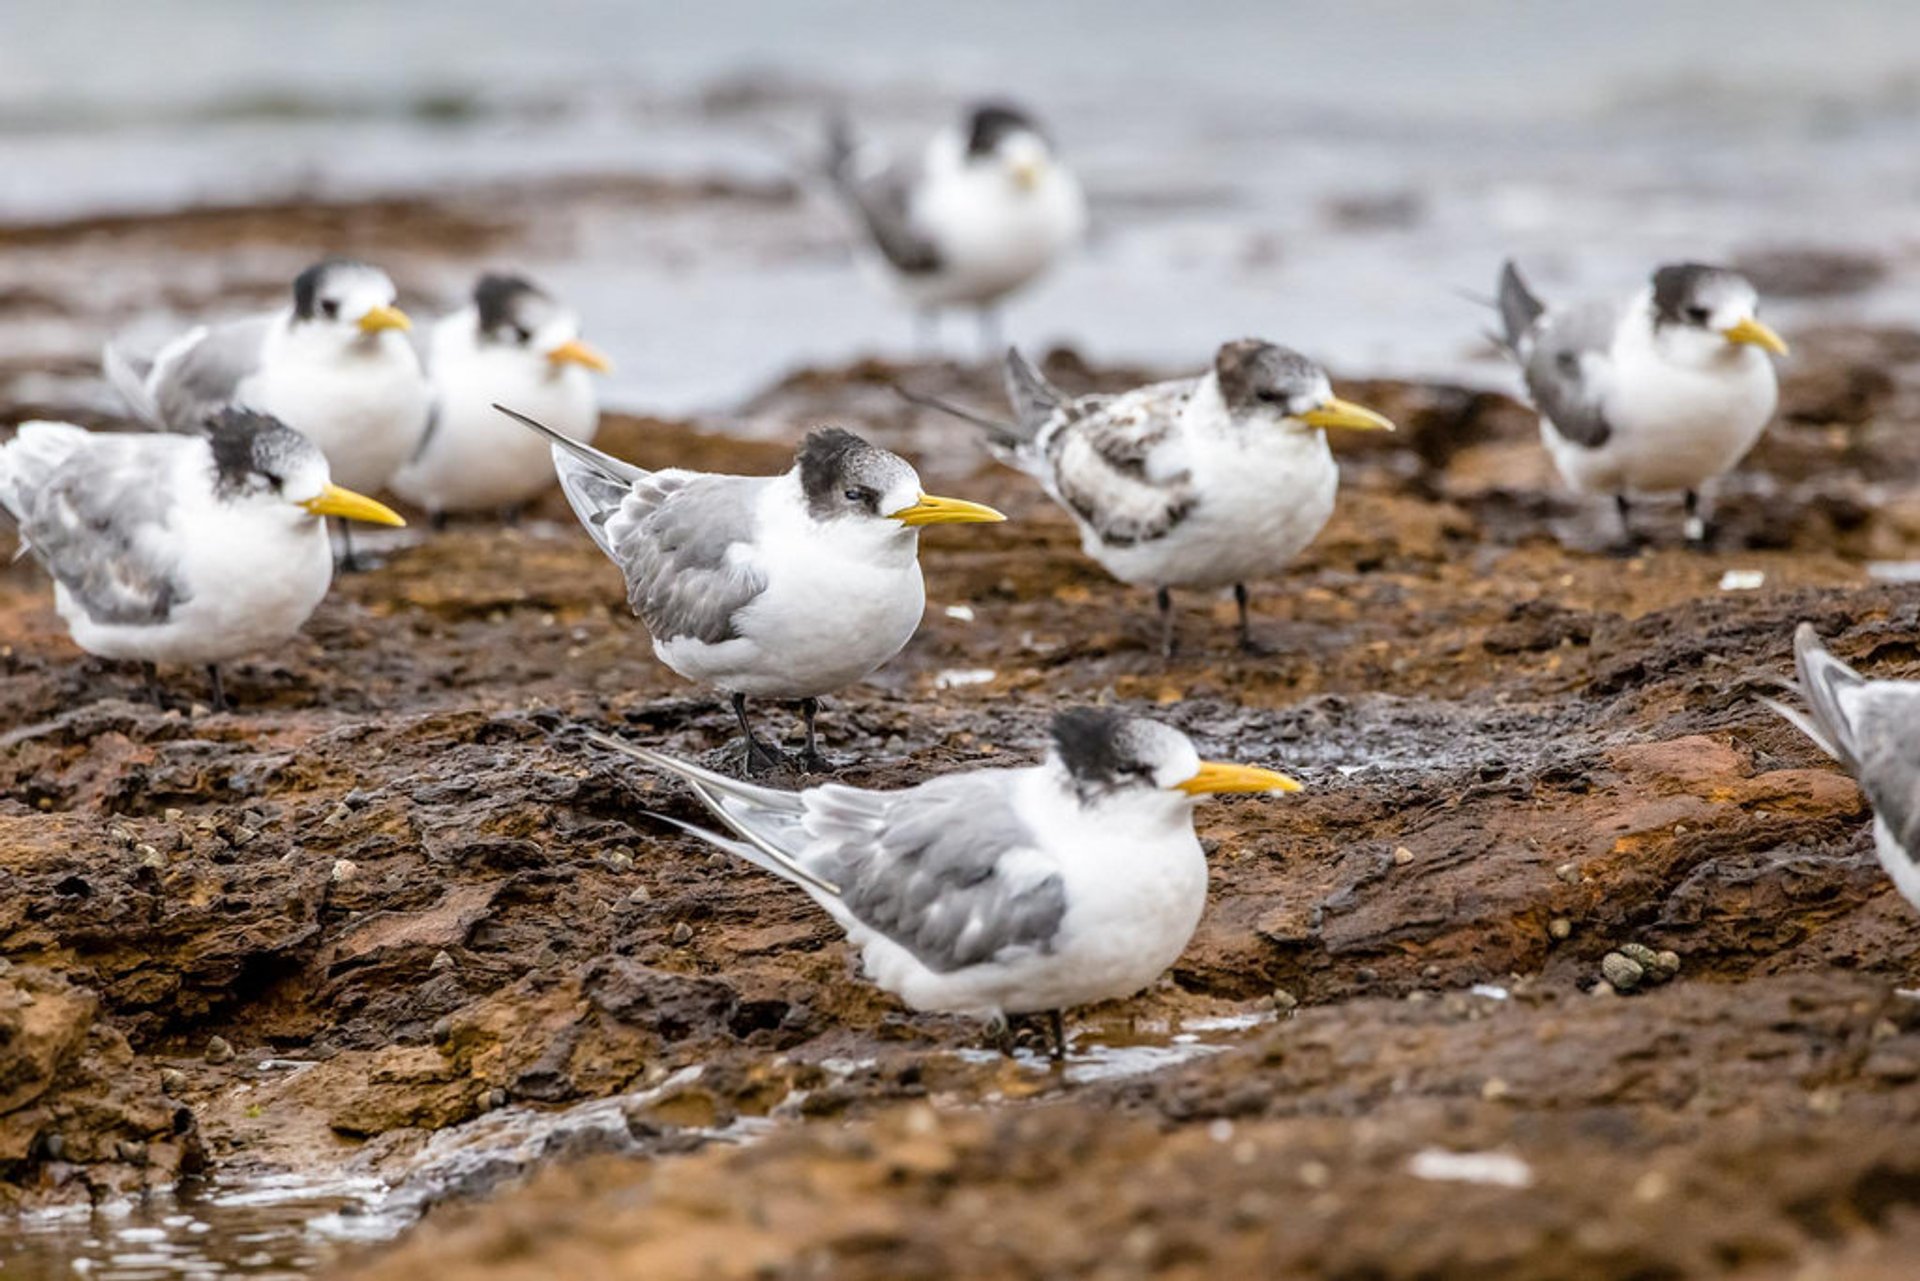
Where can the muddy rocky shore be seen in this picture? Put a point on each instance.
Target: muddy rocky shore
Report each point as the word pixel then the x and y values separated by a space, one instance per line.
pixel 396 910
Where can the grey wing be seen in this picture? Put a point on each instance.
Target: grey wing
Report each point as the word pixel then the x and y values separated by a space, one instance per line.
pixel 192 381
pixel 99 524
pixel 1886 743
pixel 883 202
pixel 675 537
pixel 927 868
pixel 1097 454
pixel 1566 367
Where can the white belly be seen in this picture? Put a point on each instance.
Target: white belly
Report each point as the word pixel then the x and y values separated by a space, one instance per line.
pixel 478 459
pixel 366 414
pixel 1673 428
pixel 1259 508
pixel 819 626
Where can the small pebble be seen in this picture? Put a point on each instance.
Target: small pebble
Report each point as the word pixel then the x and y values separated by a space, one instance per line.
pixel 1285 1001
pixel 496 1097
pixel 1402 856
pixel 1495 1089
pixel 54 1146
pixel 172 816
pixel 1568 872
pixel 617 860
pixel 682 932
pixel 639 895
pixel 1622 971
pixel 218 1051
pixel 441 961
pixel 344 869
pixel 1560 927
pixel 172 1081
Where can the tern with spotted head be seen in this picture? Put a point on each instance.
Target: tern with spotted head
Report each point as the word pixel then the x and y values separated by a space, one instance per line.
pixel 997 892
pixel 179 549
pixel 1204 482
pixel 1663 393
pixel 1872 727
pixel 518 345
pixel 983 211
pixel 784 587
pixel 335 365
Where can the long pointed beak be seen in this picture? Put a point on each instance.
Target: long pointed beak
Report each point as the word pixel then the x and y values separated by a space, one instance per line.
pixel 1752 331
pixel 933 510
pixel 1216 777
pixel 347 505
pixel 385 317
pixel 1027 174
pixel 1344 413
pixel 575 352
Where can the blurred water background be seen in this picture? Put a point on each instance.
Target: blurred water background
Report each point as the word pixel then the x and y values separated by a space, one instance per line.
pixel 1333 176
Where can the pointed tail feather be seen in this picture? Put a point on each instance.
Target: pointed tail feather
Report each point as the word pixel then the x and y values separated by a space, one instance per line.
pixel 749 853
pixel 594 482
pixel 1823 680
pixel 1033 398
pixel 1519 308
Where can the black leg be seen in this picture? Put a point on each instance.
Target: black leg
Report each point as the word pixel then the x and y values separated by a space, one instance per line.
pixel 510 517
pixel 1248 645
pixel 1697 530
pixel 1164 599
pixel 151 674
pixel 347 562
pixel 220 703
pixel 759 756
pixel 810 758
pixel 438 520
pixel 1628 544
pixel 1057 1032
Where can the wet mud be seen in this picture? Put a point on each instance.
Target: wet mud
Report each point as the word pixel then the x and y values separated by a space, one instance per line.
pixel 395 919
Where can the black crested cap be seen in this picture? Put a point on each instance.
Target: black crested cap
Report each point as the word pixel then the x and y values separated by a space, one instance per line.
pixel 1248 366
pixel 243 440
pixel 989 122
pixel 1091 742
pixel 825 458
pixel 495 295
pixel 1678 285
pixel 306 285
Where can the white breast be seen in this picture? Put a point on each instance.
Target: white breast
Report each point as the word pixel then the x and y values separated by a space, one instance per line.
pixel 364 405
pixel 992 237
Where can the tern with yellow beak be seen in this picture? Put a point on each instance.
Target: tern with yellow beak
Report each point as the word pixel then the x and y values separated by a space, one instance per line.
pixel 786 587
pixel 983 211
pixel 1204 482
pixel 1660 395
pixel 336 366
pixel 996 892
pixel 518 345
pixel 179 549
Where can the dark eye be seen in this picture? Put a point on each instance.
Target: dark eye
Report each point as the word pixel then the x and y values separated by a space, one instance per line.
pixel 1699 315
pixel 1271 398
pixel 862 495
pixel 273 479
pixel 522 335
pixel 330 308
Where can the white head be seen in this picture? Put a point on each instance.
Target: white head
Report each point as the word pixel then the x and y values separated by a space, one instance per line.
pixel 1109 759
pixel 1705 315
pixel 264 464
pixel 516 320
pixel 870 496
pixel 1267 385
pixel 349 303
pixel 1002 143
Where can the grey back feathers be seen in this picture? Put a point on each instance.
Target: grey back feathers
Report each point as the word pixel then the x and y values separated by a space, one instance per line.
pixel 206 376
pixel 1870 727
pixel 1560 353
pixel 925 866
pixel 882 201
pixel 83 505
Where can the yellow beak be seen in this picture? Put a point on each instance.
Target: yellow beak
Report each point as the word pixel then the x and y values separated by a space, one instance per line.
pixel 1216 777
pixel 1752 331
pixel 378 318
pixel 932 510
pixel 576 352
pixel 347 505
pixel 1026 174
pixel 1344 413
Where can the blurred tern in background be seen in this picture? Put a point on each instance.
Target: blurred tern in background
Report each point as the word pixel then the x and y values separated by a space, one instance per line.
pixel 335 366
pixel 985 209
pixel 996 892
pixel 179 549
pixel 1658 394
pixel 788 586
pixel 516 345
